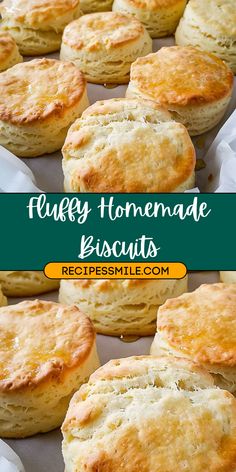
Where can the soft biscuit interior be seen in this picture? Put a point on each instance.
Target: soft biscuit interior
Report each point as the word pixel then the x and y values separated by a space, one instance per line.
pixel 161 410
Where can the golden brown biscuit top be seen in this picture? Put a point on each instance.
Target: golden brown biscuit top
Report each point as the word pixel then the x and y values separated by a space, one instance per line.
pixel 182 76
pixel 202 324
pixel 166 371
pixel 153 5
pixel 216 17
pixel 41 341
pixel 102 31
pixel 104 144
pixel 115 286
pixel 117 108
pixel 147 414
pixel 37 90
pixel 37 13
pixel 7 46
pixel 108 285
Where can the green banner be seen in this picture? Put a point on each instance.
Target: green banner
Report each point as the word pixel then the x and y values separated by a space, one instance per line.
pixel 196 229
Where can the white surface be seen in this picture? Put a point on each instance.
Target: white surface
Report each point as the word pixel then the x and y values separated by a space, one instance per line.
pixel 43 453
pixel 48 170
pixel 9 461
pixel 15 176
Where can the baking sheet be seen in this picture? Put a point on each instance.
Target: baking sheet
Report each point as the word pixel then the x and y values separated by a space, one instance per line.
pixel 42 453
pixel 48 169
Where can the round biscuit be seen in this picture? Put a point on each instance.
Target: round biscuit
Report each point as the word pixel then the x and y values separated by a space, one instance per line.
pixel 47 351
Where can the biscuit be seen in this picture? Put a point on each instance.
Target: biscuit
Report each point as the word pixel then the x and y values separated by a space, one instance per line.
pixel 121 307
pixel 24 283
pixel 92 6
pixel 228 277
pixel 150 414
pixel 211 26
pixel 39 100
pixel 3 299
pixel 101 152
pixel 37 25
pixel 202 327
pixel 9 52
pixel 160 17
pixel 47 351
pixel 104 45
pixel 196 87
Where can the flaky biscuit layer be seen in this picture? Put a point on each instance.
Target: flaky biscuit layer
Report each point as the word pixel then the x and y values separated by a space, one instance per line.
pixel 147 414
pixel 47 351
pixel 121 307
pixel 160 17
pixel 101 152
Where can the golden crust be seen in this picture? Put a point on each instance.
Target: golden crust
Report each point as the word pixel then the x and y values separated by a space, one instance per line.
pixel 118 105
pixel 102 31
pixel 216 18
pixel 121 307
pixel 3 299
pixel 121 165
pixel 26 283
pixel 228 277
pixel 153 5
pixel 7 46
pixel 108 285
pixel 202 324
pixel 147 414
pixel 38 90
pixel 132 367
pixel 40 341
pixel 182 76
pixel 37 14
